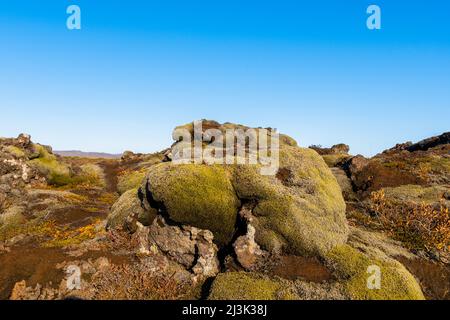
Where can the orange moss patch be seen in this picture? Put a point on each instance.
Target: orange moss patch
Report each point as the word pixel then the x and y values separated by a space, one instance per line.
pixel 62 236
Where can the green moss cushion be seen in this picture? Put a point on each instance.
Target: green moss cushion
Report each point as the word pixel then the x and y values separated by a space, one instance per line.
pixel 301 210
pixel 352 267
pixel 248 286
pixel 197 195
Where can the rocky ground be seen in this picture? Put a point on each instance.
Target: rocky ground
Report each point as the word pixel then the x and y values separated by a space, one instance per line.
pixel 142 227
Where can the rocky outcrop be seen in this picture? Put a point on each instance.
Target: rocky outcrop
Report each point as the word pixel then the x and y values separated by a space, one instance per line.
pixel 334 156
pixel 130 156
pixel 340 148
pixel 127 210
pixel 429 143
pixel 407 194
pixel 16 173
pixel 300 210
pixel 256 236
pixel 191 247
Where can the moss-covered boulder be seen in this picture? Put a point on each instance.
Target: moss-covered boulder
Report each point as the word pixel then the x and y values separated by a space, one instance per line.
pixel 56 172
pixel 198 195
pixel 353 268
pixel 129 180
pixel 249 286
pixel 301 209
pixel 298 210
pixel 128 208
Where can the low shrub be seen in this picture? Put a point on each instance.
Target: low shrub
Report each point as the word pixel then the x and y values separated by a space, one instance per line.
pixel 418 225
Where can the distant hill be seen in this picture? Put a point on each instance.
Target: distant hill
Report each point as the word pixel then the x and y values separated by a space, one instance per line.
pixel 77 153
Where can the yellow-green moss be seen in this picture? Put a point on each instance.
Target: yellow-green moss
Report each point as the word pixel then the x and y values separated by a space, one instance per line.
pixel 248 286
pixel 15 151
pixel 351 267
pixel 416 193
pixel 130 180
pixel 36 227
pixel 60 174
pixel 441 165
pixel 11 222
pixel 302 212
pixel 91 174
pixel 57 173
pixel 287 140
pixel 129 205
pixel 197 195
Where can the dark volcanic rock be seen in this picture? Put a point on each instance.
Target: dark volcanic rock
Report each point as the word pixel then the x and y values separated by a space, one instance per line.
pixel 430 142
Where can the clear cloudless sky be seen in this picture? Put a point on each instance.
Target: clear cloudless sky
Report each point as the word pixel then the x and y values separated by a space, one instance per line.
pixel 136 69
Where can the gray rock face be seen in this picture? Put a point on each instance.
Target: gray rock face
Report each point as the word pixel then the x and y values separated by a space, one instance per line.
pixel 15 173
pixel 247 250
pixel 189 246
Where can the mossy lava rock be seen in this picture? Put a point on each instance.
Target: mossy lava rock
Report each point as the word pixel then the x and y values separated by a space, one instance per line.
pixel 299 210
pixel 198 195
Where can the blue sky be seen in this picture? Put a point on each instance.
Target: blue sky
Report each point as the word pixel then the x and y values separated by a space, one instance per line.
pixel 311 69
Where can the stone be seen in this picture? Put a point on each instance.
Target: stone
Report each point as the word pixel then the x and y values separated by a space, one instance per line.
pixel 247 250
pixel 355 165
pixel 24 140
pixel 430 143
pixel 300 209
pixel 345 183
pixel 128 209
pixel 189 246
